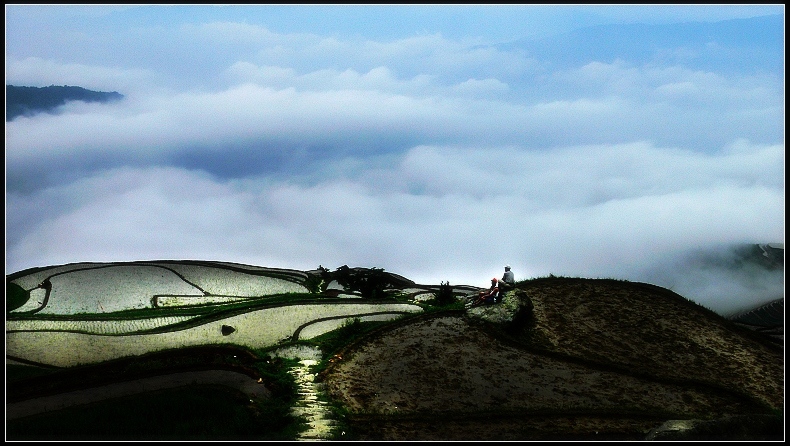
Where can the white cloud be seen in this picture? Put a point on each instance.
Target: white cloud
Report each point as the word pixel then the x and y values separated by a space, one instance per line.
pixel 674 84
pixel 594 173
pixel 231 34
pixel 351 91
pixel 449 213
pixel 436 158
pixel 484 86
pixel 38 72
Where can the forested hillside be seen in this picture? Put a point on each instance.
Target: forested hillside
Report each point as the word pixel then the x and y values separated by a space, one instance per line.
pixel 27 101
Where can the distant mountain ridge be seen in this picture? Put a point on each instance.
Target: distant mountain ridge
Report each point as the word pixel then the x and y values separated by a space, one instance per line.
pixel 767 319
pixel 28 101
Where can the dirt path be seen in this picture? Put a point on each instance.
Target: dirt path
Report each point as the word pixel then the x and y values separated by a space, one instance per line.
pixel 319 423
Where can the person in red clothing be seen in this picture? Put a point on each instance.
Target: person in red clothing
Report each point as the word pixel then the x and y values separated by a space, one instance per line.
pixel 488 296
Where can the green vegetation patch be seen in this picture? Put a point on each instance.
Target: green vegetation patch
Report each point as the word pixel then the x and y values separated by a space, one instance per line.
pixel 15 296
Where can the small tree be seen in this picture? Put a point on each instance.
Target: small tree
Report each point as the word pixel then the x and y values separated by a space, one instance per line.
pixel 370 283
pixel 318 283
pixel 444 296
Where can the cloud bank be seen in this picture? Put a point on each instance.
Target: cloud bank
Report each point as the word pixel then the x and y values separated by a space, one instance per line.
pixel 438 158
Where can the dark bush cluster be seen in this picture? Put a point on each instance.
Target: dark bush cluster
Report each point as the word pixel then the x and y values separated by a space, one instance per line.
pixel 351 328
pixel 444 296
pixel 369 282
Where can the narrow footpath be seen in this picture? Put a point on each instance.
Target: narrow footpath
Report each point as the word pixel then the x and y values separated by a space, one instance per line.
pixel 307 405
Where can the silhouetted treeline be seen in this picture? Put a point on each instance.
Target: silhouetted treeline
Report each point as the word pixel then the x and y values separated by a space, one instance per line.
pixel 28 101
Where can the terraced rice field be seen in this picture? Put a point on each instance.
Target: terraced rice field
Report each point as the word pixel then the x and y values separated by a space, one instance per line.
pixel 98 327
pixel 62 325
pixel 222 281
pixel 256 329
pixel 32 279
pixel 105 288
pixel 317 328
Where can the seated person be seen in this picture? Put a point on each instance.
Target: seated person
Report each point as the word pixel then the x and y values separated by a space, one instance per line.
pixel 488 296
pixel 508 281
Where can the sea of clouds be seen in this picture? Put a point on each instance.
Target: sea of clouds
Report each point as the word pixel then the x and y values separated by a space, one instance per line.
pixel 436 158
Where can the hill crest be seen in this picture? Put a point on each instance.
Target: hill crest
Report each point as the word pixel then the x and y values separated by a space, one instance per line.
pixel 29 101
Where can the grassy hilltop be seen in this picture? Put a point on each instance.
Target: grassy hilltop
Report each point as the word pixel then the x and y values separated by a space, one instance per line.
pixel 559 359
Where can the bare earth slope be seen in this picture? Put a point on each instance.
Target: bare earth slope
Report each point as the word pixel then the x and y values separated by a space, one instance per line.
pixel 597 359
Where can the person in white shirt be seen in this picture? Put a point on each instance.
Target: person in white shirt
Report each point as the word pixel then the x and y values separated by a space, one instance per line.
pixel 508 281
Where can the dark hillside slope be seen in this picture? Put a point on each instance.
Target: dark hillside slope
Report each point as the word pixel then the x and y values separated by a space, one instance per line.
pixel 652 331
pixel 771 314
pixel 590 359
pixel 768 319
pixel 27 101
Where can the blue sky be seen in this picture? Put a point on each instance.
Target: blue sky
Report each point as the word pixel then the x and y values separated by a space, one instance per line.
pixel 437 142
